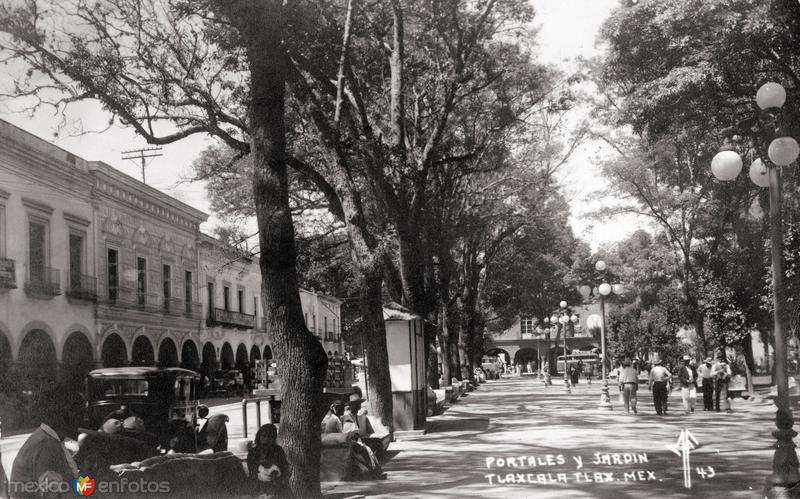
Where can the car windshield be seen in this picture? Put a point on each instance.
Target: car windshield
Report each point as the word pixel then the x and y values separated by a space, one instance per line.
pixel 110 388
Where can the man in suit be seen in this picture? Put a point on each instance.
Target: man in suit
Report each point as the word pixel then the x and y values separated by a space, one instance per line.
pixel 688 380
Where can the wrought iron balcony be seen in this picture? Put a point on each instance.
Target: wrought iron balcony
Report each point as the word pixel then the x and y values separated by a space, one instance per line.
pixel 231 318
pixel 43 281
pixel 82 287
pixel 8 274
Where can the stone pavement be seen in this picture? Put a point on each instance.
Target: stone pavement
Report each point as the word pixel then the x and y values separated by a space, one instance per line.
pixel 538 434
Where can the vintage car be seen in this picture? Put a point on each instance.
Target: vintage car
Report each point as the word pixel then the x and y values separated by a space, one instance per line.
pixel 164 398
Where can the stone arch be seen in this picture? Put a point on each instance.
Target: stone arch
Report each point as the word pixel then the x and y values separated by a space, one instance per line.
pixel 525 355
pixel 255 354
pixel 500 352
pixel 77 354
pixel 40 325
pixel 114 352
pixel 74 328
pixel 267 353
pixel 190 359
pixel 167 353
pixel 209 358
pixel 37 361
pixel 142 352
pixel 243 363
pixel 226 356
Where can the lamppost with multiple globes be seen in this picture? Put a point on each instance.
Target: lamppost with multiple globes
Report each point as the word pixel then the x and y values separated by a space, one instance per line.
pixel 602 291
pixel 726 165
pixel 563 320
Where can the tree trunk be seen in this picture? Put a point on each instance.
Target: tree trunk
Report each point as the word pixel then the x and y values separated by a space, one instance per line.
pixel 749 361
pixel 379 384
pixel 300 356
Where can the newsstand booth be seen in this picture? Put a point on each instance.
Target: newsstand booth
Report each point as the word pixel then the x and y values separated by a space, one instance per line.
pixel 406 346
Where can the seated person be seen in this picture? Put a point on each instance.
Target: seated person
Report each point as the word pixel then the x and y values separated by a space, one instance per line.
pixel 133 427
pixel 331 423
pixel 267 466
pixel 351 413
pixel 43 458
pixel 214 434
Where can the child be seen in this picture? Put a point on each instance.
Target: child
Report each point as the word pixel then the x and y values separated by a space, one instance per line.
pixel 266 463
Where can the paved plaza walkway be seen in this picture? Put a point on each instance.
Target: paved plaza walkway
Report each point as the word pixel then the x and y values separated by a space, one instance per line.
pixel 516 430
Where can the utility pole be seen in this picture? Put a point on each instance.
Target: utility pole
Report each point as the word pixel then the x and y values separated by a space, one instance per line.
pixel 143 155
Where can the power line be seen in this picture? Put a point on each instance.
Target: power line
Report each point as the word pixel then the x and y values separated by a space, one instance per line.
pixel 143 155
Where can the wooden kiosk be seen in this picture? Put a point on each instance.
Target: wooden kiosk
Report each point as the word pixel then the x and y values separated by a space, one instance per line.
pixel 406 346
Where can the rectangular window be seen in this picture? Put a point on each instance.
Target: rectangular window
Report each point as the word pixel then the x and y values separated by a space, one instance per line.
pixel 325 330
pixel 166 278
pixel 2 229
pixel 187 288
pixel 335 335
pixel 226 297
pixel 211 302
pixel 255 308
pixel 141 280
pixel 314 320
pixel 37 251
pixel 112 261
pixel 75 261
pixel 240 294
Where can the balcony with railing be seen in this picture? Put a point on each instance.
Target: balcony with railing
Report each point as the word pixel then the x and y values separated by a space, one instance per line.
pixel 230 318
pixel 8 274
pixel 43 282
pixel 82 287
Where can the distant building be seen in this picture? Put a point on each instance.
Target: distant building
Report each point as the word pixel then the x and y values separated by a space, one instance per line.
pixel 99 269
pixel 526 340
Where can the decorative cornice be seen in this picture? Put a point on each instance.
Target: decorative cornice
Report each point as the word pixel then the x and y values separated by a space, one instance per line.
pixel 32 204
pixel 75 219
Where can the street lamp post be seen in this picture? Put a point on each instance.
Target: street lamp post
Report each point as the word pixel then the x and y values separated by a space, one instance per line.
pixel 726 165
pixel 603 290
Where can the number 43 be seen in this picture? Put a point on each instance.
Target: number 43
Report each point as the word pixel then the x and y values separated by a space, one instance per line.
pixel 706 471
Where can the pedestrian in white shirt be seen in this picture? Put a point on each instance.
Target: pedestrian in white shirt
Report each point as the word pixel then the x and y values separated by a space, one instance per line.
pixel 705 373
pixel 688 380
pixel 722 376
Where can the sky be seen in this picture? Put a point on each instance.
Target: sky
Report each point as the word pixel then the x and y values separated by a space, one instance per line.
pixel 567 29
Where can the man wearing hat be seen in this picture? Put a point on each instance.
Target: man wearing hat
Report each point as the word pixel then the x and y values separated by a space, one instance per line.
pixel 706 376
pixel 658 383
pixel 688 379
pixel 722 376
pixel 350 418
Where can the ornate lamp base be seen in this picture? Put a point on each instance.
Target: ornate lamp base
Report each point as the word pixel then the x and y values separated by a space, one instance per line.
pixel 783 483
pixel 605 399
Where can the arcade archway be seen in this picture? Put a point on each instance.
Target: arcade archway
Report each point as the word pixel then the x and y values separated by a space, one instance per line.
pixel 190 359
pixel 226 356
pixel 114 352
pixel 37 361
pixel 77 360
pixel 168 353
pixel 209 363
pixel 142 352
pixel 5 362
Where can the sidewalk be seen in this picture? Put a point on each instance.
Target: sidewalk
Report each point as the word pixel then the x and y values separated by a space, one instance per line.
pixel 539 435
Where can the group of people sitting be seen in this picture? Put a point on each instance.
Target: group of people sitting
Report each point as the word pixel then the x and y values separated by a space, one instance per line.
pixel 343 418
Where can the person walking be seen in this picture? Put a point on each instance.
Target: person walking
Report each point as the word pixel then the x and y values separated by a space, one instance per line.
pixel 628 384
pixel 722 376
pixel 687 376
pixel 658 383
pixel 706 376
